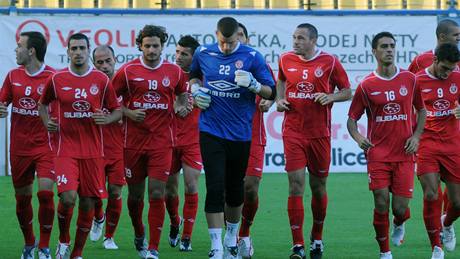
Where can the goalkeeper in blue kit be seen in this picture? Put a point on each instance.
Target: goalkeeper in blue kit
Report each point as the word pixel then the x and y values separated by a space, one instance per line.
pixel 225 78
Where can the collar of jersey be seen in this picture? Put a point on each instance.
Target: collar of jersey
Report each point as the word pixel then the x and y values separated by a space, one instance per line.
pixel 151 68
pixel 90 68
pixel 318 51
pixel 387 79
pixel 430 75
pixel 233 51
pixel 42 68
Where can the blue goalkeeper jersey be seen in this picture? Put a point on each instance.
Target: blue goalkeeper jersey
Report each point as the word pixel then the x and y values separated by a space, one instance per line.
pixel 230 114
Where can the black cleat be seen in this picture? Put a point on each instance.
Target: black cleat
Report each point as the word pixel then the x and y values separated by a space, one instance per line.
pixel 298 252
pixel 316 249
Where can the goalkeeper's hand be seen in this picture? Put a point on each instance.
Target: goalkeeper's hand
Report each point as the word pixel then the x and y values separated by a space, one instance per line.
pixel 201 96
pixel 247 80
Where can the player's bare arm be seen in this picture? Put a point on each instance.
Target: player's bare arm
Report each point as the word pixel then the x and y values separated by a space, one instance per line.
pixel 101 118
pixel 181 105
pixel 362 141
pixel 3 110
pixel 265 105
pixel 281 103
pixel 339 96
pixel 50 125
pixel 134 115
pixel 412 143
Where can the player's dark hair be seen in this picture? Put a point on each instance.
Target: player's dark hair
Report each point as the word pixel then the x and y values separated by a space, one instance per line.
pixel 447 52
pixel 103 47
pixel 312 31
pixel 78 36
pixel 37 41
pixel 378 36
pixel 188 41
pixel 245 31
pixel 152 31
pixel 227 26
pixel 444 27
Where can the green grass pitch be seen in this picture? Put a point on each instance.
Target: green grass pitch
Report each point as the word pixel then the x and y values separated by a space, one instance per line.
pixel 348 231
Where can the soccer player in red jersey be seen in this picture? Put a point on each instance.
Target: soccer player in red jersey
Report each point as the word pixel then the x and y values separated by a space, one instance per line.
pixel 255 165
pixel 306 91
pixel 104 60
pixel 80 92
pixel 388 96
pixel 148 86
pixel 30 149
pixel 447 31
pixel 439 153
pixel 186 156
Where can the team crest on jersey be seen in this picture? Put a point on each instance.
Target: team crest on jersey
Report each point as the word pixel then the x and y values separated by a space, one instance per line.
pixel 81 106
pixel 27 103
pixel 391 108
pixel 441 105
pixel 239 64
pixel 166 82
pixel 151 97
pixel 40 89
pixel 305 87
pixel 94 89
pixel 453 89
pixel 403 90
pixel 319 72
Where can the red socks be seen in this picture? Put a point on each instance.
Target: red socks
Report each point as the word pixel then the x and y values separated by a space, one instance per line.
pixel 156 219
pixel 64 218
pixel 172 205
pixel 112 215
pixel 189 212
pixel 84 221
pixel 98 211
pixel 45 216
pixel 24 213
pixel 135 209
pixel 248 214
pixel 432 219
pixel 296 217
pixel 318 208
pixel 381 227
pixel 400 220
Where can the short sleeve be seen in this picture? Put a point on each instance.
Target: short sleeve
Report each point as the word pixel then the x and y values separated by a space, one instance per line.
pixel 49 93
pixel 339 77
pixel 6 93
pixel 358 104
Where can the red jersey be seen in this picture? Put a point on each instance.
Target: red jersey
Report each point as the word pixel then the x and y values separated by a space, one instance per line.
pixel 187 129
pixel 388 103
pixel 77 98
pixel 304 79
pixel 154 90
pixel 421 61
pixel 440 98
pixel 23 91
pixel 113 138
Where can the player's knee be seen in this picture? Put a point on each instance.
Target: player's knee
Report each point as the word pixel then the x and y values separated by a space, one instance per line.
pixel 171 190
pixel 191 187
pixel 251 189
pixel 156 193
pixel 68 201
pixel 430 195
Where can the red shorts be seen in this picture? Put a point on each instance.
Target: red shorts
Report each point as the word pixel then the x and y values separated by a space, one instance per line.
pixel 397 176
pixel 315 154
pixel 189 155
pixel 115 170
pixel 140 164
pixel 23 168
pixel 447 165
pixel 86 176
pixel 256 160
